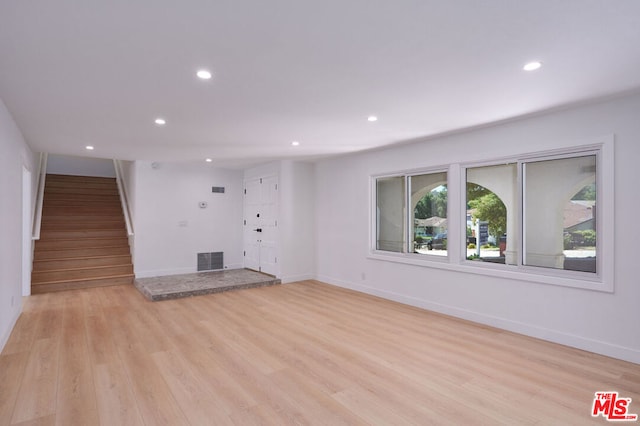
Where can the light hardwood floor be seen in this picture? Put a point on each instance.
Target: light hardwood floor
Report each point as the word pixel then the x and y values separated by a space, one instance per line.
pixel 303 353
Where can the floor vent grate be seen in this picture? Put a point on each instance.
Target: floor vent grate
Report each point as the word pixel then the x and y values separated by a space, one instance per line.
pixel 210 261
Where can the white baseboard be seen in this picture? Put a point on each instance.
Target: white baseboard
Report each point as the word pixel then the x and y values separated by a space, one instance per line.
pixel 234 266
pixel 295 278
pixel 579 342
pixel 7 333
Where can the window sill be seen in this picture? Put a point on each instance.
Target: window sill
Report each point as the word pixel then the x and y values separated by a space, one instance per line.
pixel 594 283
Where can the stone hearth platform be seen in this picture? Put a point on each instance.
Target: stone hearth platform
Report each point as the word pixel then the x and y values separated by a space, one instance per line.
pixel 178 286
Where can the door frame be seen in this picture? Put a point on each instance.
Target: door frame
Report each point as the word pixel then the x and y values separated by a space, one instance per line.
pixel 27 223
pixel 247 223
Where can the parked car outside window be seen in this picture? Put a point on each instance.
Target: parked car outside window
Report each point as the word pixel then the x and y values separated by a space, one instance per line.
pixel 439 242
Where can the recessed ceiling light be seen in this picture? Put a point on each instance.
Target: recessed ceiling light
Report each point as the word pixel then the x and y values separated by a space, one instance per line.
pixel 295 143
pixel 204 74
pixel 532 66
pixel 372 118
pixel 89 148
pixel 208 160
pixel 160 121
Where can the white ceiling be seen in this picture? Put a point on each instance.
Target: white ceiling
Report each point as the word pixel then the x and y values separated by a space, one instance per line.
pixel 89 72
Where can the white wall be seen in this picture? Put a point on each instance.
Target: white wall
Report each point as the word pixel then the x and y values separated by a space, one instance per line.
pixel 80 166
pixel 596 321
pixel 297 221
pixel 170 228
pixel 268 169
pixel 14 154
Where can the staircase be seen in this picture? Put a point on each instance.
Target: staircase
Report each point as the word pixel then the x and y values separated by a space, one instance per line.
pixel 83 239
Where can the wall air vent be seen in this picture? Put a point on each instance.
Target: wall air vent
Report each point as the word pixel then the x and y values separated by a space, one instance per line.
pixel 210 261
pixel 217 189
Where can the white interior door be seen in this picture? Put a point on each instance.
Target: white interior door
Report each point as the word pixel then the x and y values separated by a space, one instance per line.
pixel 261 224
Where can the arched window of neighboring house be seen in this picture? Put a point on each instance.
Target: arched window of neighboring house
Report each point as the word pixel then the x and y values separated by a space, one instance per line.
pixel 559 199
pixel 486 224
pixel 491 196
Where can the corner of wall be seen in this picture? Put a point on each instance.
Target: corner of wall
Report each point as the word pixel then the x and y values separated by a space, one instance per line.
pixel 16 153
pixel 12 323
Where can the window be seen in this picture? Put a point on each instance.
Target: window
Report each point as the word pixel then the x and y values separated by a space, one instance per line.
pixel 428 204
pixel 559 211
pixel 390 223
pixel 491 215
pixel 426 200
pixel 537 217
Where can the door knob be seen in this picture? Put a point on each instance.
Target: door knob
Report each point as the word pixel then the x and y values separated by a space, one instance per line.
pixel 258 230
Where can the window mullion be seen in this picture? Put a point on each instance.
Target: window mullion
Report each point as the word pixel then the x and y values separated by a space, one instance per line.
pixel 457 250
pixel 521 182
pixel 408 222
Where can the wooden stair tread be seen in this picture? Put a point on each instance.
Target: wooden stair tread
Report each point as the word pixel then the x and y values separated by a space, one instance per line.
pixel 73 234
pixel 85 279
pixel 82 257
pixel 90 216
pixel 81 233
pixel 80 273
pixel 86 238
pixel 45 287
pixel 50 244
pixel 53 254
pixel 77 285
pixel 62 220
pixel 81 243
pixel 70 178
pixel 87 217
pixel 65 247
pixel 74 248
pixel 70 203
pixel 78 227
pixel 80 197
pixel 57 228
pixel 87 268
